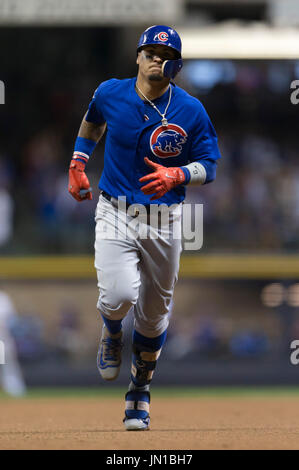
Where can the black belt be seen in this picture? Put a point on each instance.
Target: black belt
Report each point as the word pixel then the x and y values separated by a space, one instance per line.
pixel 106 195
pixel 137 211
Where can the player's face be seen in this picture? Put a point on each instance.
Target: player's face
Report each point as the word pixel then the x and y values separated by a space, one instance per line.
pixel 150 60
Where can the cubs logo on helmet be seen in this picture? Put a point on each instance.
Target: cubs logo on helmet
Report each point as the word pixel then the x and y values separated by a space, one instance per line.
pixel 163 36
pixel 167 142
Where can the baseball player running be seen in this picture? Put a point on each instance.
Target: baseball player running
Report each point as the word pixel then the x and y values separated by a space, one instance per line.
pixel 159 139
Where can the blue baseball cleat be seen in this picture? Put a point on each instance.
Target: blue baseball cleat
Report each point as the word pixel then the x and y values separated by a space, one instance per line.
pixel 137 411
pixel 109 354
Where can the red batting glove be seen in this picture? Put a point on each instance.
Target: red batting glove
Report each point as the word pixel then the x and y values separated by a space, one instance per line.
pixel 164 179
pixel 78 180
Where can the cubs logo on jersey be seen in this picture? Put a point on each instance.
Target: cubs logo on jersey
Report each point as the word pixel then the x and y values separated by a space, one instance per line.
pixel 163 36
pixel 168 141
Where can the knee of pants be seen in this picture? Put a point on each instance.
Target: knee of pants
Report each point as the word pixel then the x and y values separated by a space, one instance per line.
pixel 151 327
pixel 115 304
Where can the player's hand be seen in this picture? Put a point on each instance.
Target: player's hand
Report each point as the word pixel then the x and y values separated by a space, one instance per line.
pixel 163 179
pixel 78 181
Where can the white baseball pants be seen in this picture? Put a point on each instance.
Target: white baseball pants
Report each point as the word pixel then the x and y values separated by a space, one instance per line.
pixel 137 266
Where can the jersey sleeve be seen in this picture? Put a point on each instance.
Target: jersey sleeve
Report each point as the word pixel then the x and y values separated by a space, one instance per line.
pixel 205 144
pixel 95 112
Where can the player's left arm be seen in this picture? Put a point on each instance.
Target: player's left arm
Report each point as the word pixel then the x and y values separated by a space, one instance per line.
pixel 204 152
pixel 201 169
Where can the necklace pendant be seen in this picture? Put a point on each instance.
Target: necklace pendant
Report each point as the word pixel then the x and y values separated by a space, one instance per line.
pixel 164 122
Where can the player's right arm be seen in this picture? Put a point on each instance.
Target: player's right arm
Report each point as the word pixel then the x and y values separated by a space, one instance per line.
pixel 91 130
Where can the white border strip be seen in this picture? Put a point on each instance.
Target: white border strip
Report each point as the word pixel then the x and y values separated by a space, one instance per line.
pixel 230 41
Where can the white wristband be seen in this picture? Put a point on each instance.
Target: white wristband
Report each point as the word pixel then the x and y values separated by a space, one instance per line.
pixel 198 173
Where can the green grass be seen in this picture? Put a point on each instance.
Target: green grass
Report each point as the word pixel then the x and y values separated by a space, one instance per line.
pixel 117 392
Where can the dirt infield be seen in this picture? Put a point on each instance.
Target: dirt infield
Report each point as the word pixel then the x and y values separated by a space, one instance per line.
pixel 177 423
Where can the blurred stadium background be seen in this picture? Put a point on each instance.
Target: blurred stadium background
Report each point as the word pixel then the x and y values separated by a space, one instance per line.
pixel 235 309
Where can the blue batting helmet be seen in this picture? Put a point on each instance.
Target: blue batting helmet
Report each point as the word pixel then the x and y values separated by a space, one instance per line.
pixel 165 36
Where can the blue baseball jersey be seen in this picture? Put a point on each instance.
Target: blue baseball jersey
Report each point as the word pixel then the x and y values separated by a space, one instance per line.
pixel 135 131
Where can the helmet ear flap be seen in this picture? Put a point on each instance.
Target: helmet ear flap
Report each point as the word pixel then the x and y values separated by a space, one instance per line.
pixel 170 68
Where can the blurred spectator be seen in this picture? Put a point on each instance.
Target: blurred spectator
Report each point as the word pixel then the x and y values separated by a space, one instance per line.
pixel 27 331
pixel 70 339
pixel 207 338
pixel 249 344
